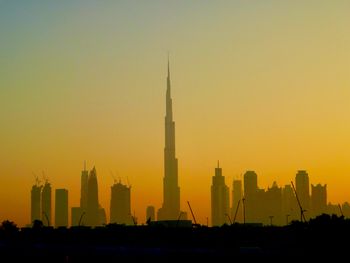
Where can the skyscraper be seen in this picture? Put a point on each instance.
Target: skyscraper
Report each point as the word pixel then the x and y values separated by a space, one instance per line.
pixel 61 207
pixel 318 199
pixel 273 205
pixel 84 188
pixel 120 210
pixel 289 204
pixel 46 204
pixel 170 209
pixel 219 199
pixel 92 213
pixel 78 217
pixel 35 202
pixel 236 210
pixel 251 196
pixel 303 189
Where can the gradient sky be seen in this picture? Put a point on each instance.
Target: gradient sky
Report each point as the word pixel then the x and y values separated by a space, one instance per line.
pixel 258 85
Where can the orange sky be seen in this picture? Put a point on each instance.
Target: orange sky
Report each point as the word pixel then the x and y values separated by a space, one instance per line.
pixel 259 86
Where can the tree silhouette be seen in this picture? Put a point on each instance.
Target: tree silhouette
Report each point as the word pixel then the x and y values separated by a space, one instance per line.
pixel 37 224
pixel 9 227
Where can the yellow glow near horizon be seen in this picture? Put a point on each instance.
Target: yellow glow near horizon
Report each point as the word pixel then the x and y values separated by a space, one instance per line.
pixel 261 86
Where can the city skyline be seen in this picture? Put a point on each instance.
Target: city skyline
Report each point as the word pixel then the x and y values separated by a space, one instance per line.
pixel 253 205
pixel 260 87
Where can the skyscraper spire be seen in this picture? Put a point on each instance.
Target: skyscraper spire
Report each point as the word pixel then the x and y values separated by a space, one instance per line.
pixel 168 67
pixel 171 190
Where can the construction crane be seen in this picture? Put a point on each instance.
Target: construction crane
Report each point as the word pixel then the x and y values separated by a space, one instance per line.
pixel 341 210
pixel 302 216
pixel 194 219
pixel 134 219
pixel 234 219
pixel 229 218
pixel 243 200
pixel 81 217
pixel 114 179
pixel 47 218
pixel 178 219
pixel 37 180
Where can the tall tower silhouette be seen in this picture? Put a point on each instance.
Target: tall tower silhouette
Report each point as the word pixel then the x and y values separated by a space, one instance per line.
pixel 171 190
pixel 220 201
pixel 36 202
pixel 120 209
pixel 92 200
pixel 84 188
pixel 46 204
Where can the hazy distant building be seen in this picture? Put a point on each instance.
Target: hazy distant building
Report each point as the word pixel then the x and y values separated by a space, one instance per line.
pixel 333 209
pixel 61 207
pixel 84 188
pixel 318 199
pixel 92 212
pixel 289 204
pixel 120 209
pixel 170 209
pixel 35 202
pixel 46 204
pixel 346 209
pixel 251 200
pixel 236 210
pixel 150 213
pixel 273 204
pixel 303 189
pixel 219 199
pixel 78 216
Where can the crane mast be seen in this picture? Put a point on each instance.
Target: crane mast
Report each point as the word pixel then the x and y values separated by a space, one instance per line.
pixel 302 216
pixel 194 219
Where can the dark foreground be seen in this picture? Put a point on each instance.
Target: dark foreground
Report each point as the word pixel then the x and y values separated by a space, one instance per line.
pixel 324 237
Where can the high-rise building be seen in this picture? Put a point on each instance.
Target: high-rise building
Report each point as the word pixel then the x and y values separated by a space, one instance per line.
pixel 289 204
pixel 150 213
pixel 120 209
pixel 46 204
pixel 84 188
pixel 303 189
pixel 273 204
pixel 170 209
pixel 61 207
pixel 92 212
pixel 236 210
pixel 251 197
pixel 78 217
pixel 102 218
pixel 220 200
pixel 35 202
pixel 318 199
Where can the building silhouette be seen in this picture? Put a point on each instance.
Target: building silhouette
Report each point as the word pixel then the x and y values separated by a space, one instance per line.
pixel 273 204
pixel 170 209
pixel 251 194
pixel 303 189
pixel 318 199
pixel 237 204
pixel 46 204
pixel 84 188
pixel 92 212
pixel 61 207
pixel 220 200
pixel 120 209
pixel 35 202
pixel 289 205
pixel 150 213
pixel 78 216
